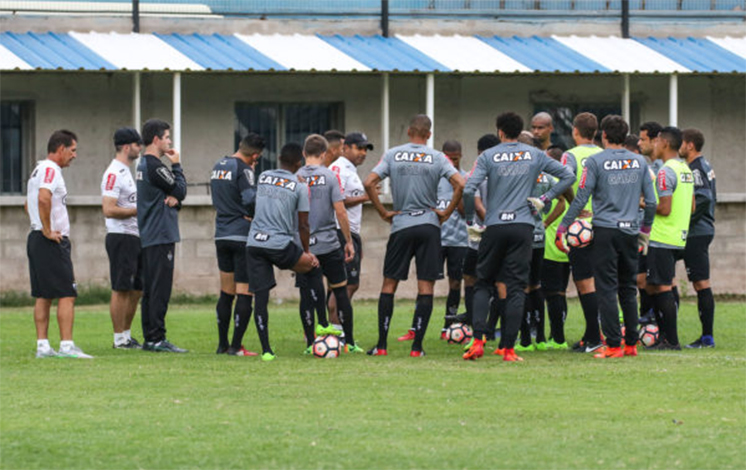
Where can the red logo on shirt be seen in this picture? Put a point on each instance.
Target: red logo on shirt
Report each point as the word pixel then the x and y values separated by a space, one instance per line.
pixel 662 180
pixel 563 160
pixel 582 177
pixel 110 180
pixel 49 175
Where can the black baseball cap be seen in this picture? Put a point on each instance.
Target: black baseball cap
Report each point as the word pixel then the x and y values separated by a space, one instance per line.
pixel 359 139
pixel 127 135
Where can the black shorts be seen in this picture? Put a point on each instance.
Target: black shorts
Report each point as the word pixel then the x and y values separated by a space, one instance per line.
pixel 50 267
pixel 453 257
pixel 232 259
pixel 554 276
pixel 697 258
pixel 581 262
pixel 421 242
pixel 537 260
pixel 125 261
pixel 262 275
pixel 505 254
pixel 662 265
pixel 353 267
pixel 470 262
pixel 332 266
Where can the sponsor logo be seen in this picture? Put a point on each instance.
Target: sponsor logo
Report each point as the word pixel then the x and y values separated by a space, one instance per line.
pixel 49 175
pixel 542 179
pixel 416 213
pixel 583 178
pixel 687 178
pixel 622 164
pixel 507 216
pixel 138 176
pixel 711 175
pixel 316 180
pixel 442 204
pixel 165 175
pixel 132 198
pixel 110 181
pixel 261 237
pixel 662 186
pixel 623 224
pixel 414 157
pixel 564 158
pixel 684 234
pixel 278 182
pixel 170 256
pixel 698 181
pixel 512 156
pixel 312 241
pixel 538 237
pixel 222 175
pixel 249 174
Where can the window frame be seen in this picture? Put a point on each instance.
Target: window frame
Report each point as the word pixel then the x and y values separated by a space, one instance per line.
pixel 28 128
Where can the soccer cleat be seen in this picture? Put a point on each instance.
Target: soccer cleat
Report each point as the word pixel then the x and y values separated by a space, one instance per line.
pixel 460 318
pixel 417 354
pixel 475 351
pixel 220 350
pixel 665 346
pixel 377 352
pixel 73 352
pixel 578 346
pixel 41 353
pixel 327 330
pixel 129 344
pixel 630 350
pixel 510 356
pixel 268 356
pixel 469 344
pixel 353 348
pixel 528 348
pixel 702 342
pixel 308 351
pixel 408 336
pixel 443 334
pixel 162 346
pixel 551 344
pixel 499 352
pixel 647 318
pixel 243 352
pixel 136 343
pixel 609 352
pixel 542 346
pixel 589 347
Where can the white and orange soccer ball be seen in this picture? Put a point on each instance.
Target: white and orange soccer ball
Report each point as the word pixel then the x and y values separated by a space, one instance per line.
pixel 459 333
pixel 649 335
pixel 579 233
pixel 327 347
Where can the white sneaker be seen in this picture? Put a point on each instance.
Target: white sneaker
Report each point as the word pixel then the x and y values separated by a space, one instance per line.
pixel 45 352
pixel 74 352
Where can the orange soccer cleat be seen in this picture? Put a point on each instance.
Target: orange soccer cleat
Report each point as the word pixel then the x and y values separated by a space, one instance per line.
pixel 509 355
pixel 630 350
pixel 609 352
pixel 475 351
pixel 408 336
pixel 499 352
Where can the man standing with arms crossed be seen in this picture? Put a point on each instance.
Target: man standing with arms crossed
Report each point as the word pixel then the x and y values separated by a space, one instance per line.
pixel 160 192
pixel 48 247
pixel 415 171
pixel 119 204
pixel 233 190
pixel 615 178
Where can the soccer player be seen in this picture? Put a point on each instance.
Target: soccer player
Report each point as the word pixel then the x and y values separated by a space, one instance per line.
pixel 415 171
pixel 584 128
pixel 160 191
pixel 615 178
pixel 325 202
pixel 355 150
pixel 48 247
pixel 675 185
pixel 336 141
pixel 119 204
pixel 233 190
pixel 632 143
pixel 281 213
pixel 542 127
pixel 512 169
pixel 701 233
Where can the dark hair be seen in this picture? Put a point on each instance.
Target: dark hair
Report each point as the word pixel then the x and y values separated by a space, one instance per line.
pixel 586 124
pixel 672 135
pixel 555 152
pixel 420 125
pixel 652 128
pixel 451 146
pixel 615 128
pixel 252 144
pixel 598 139
pixel 315 145
pixel 510 123
pixel 154 128
pixel 290 154
pixel 487 141
pixel 526 137
pixel 694 136
pixel 333 136
pixel 62 137
pixel 631 143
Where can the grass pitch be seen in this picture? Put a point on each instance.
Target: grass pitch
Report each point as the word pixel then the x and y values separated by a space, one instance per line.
pixel 132 409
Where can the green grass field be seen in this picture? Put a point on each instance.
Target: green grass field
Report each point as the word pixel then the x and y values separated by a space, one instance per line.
pixel 132 409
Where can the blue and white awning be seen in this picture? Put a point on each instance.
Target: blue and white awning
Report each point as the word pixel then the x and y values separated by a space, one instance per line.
pixel 408 54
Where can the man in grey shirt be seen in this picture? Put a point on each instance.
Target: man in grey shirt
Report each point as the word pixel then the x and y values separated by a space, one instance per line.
pixel 615 178
pixel 414 170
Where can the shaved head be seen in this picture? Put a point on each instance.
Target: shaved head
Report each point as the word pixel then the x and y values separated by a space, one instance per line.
pixel 542 127
pixel 542 117
pixel 420 126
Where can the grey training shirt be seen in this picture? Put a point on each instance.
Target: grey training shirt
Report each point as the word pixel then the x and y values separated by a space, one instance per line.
pixel 323 192
pixel 453 230
pixel 280 196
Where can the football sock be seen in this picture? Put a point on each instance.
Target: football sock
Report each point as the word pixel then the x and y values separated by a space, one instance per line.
pixel 422 313
pixel 385 312
pixel 127 334
pixel 526 321
pixel 537 302
pixel 589 302
pixel 344 310
pixel 261 318
pixel 481 310
pixel 511 321
pixel 223 313
pixel 306 314
pixel 646 302
pixel 242 316
pixel 119 338
pixel 316 287
pixel 497 310
pixel 66 344
pixel 675 291
pixel 452 303
pixel 666 304
pixel 42 344
pixel 706 306
pixel 557 307
pixel 469 303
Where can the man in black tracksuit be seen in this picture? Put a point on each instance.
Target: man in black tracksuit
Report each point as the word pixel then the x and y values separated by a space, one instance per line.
pixel 159 195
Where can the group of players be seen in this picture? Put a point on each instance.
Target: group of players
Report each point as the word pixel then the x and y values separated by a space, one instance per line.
pixel 651 201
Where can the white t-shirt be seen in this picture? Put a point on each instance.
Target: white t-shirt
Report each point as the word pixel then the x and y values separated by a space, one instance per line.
pixel 48 175
pixel 352 186
pixel 118 183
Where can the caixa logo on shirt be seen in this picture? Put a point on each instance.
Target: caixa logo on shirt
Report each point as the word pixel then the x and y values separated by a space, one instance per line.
pixel 511 156
pixel 277 182
pixel 626 164
pixel 261 237
pixel 221 175
pixel 442 204
pixel 414 157
pixel 316 180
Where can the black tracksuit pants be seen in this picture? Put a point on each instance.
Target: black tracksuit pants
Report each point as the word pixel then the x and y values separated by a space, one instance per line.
pixel 158 276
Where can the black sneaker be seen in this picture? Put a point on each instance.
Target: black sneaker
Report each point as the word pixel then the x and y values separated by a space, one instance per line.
pixel 702 342
pixel 135 344
pixel 665 346
pixel 131 344
pixel 647 319
pixel 460 318
pixel 578 346
pixel 162 346
pixel 591 347
pixel 222 349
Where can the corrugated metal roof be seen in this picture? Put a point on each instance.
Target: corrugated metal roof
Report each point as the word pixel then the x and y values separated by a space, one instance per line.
pixel 53 51
pixel 387 54
pixel 136 51
pixel 544 54
pixel 220 52
pixel 10 61
pixel 464 54
pixel 734 45
pixel 698 55
pixel 303 52
pixel 621 55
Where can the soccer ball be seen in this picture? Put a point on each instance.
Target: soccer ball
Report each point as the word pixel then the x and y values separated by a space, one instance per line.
pixel 579 233
pixel 327 347
pixel 459 333
pixel 649 335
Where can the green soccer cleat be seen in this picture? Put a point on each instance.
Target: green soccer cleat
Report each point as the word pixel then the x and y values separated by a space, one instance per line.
pixel 354 348
pixel 266 357
pixel 542 346
pixel 551 344
pixel 308 351
pixel 327 330
pixel 469 344
pixel 528 348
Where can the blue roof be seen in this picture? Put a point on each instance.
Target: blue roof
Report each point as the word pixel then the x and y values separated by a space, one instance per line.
pixel 388 54
pixel 698 55
pixel 543 54
pixel 53 51
pixel 220 52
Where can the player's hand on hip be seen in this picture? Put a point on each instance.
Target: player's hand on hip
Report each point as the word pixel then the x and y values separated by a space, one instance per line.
pixel 173 156
pixel 314 260
pixel 53 235
pixel 585 214
pixel 349 252
pixel 538 203
pixel 475 231
pixel 442 216
pixel 388 216
pixel 561 240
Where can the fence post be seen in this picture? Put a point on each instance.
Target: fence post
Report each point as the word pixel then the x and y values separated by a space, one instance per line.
pixel 625 19
pixel 385 18
pixel 135 16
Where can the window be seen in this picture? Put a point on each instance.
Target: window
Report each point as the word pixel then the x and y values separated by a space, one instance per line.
pixel 283 123
pixel 563 114
pixel 15 144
